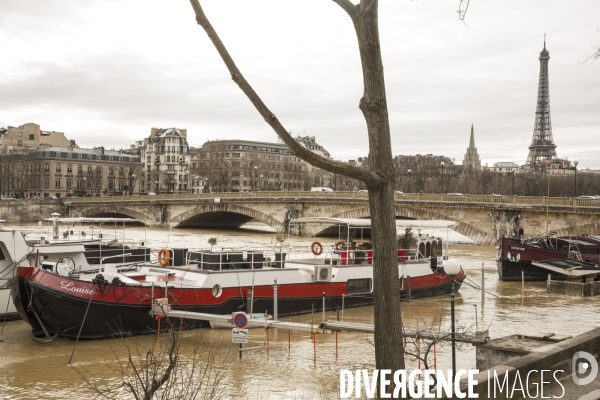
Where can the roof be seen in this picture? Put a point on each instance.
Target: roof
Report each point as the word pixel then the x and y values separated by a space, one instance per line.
pixel 366 223
pixel 570 268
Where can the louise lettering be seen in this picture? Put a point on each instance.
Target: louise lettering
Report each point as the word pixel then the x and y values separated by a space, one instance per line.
pixel 69 286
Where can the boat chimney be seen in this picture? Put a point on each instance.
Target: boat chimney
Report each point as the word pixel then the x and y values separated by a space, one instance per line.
pixel 55 225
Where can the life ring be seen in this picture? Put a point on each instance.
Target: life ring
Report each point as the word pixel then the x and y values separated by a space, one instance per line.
pixel 339 245
pixel 164 257
pixel 316 248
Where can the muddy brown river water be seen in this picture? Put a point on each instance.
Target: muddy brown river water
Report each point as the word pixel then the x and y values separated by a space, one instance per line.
pixel 33 370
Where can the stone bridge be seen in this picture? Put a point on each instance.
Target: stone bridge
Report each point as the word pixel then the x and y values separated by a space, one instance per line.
pixel 481 218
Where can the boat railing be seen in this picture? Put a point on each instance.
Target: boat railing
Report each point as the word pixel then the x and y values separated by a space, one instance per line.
pixel 206 260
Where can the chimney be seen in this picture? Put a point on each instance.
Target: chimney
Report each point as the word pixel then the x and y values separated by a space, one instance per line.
pixel 72 142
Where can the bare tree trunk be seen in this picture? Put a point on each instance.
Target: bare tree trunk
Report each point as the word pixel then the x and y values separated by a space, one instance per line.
pixel 389 349
pixel 379 176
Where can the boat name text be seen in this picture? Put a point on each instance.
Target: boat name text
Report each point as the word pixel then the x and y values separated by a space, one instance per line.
pixel 517 248
pixel 70 286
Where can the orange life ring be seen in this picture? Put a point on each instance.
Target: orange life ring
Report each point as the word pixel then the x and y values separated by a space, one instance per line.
pixel 339 245
pixel 316 248
pixel 164 257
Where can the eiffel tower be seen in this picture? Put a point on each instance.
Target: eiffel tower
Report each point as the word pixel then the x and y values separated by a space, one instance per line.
pixel 542 146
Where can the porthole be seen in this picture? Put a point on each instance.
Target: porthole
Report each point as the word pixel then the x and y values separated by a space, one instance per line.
pixel 217 290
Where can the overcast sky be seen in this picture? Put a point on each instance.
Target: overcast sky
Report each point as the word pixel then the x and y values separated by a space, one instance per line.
pixel 105 72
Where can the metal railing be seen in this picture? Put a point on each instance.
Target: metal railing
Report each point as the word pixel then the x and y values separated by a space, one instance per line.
pixel 404 198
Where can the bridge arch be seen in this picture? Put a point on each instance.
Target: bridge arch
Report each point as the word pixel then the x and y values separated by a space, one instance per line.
pixel 112 210
pixel 245 214
pixel 473 233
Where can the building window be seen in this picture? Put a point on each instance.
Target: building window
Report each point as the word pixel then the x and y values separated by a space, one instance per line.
pixel 89 184
pixel 20 134
pixel 46 183
pixel 79 184
pixel 47 167
pixel 99 170
pixel 80 168
pixel 69 183
pixel 69 168
pixel 57 167
pixel 31 137
pixel 20 143
pixel 57 183
pixel 121 171
pixel 89 168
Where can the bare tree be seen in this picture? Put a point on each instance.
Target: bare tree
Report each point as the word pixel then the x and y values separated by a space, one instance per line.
pixel 379 177
pixel 170 368
pixel 594 56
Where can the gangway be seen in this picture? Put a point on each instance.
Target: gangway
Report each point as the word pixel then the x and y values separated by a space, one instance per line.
pixel 325 327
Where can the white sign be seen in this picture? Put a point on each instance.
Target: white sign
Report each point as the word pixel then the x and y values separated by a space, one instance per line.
pixel 239 335
pixel 217 199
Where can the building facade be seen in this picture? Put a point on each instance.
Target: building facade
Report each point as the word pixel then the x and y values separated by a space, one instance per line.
pixel 165 156
pixel 29 136
pixel 243 166
pixel 51 171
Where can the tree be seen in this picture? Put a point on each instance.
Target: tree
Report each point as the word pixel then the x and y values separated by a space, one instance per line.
pixel 169 368
pixel 379 177
pixel 594 56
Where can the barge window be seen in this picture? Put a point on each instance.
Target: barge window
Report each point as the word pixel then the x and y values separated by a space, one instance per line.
pixel 358 286
pixel 2 257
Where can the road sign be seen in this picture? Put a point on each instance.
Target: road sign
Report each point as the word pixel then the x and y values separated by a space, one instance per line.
pixel 239 335
pixel 240 320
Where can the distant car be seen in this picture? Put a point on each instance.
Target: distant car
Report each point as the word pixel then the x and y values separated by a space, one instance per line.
pixel 496 195
pixel 151 194
pixel 454 194
pixel 363 191
pixel 8 198
pixel 321 189
pixel 50 197
pixel 589 197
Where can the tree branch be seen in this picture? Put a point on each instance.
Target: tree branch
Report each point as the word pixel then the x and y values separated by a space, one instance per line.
pixel 347 6
pixel 368 176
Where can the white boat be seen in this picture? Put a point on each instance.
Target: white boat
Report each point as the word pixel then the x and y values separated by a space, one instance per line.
pixel 63 253
pixel 117 299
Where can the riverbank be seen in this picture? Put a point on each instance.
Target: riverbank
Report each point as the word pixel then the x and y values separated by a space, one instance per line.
pixel 29 210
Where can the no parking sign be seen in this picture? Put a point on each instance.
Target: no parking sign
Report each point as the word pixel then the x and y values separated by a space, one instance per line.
pixel 240 320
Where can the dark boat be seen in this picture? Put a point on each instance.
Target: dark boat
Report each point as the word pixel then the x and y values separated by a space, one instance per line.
pixel 515 256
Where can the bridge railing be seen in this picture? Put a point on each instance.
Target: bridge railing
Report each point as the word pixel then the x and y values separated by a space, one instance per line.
pixel 405 197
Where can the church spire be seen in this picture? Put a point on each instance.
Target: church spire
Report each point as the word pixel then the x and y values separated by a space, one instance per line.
pixel 471 160
pixel 472 141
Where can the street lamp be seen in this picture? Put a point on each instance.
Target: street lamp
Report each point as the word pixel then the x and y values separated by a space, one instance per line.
pixel 442 177
pixel 261 183
pixel 156 182
pixel 452 268
pixel 409 181
pixel 132 186
pixel 84 185
pixel 575 162
pixel 255 185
